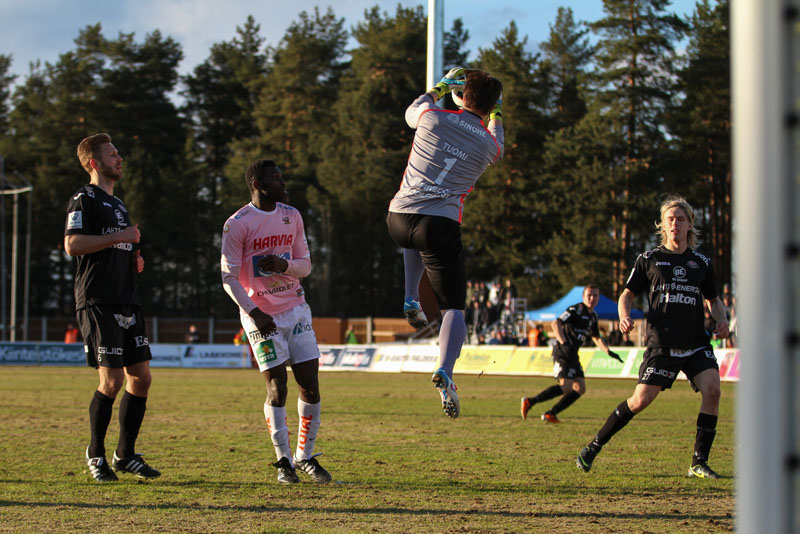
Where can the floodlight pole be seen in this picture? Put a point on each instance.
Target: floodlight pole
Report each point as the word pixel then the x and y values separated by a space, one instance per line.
pixel 435 43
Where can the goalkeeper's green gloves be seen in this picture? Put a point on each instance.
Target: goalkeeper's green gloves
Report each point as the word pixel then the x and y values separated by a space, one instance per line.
pixel 497 112
pixel 453 79
pixel 614 355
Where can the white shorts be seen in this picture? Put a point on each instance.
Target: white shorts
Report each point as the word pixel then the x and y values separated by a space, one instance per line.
pixel 294 342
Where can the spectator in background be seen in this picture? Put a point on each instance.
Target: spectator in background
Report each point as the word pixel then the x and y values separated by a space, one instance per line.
pixel 729 301
pixel 615 337
pixel 350 336
pixel 240 339
pixel 192 336
pixel 533 335
pixel 71 334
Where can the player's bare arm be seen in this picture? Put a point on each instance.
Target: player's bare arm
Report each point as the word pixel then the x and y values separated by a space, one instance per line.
pixel 624 306
pixel 82 244
pixel 718 313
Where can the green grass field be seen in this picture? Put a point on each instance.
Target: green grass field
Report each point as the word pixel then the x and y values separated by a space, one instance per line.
pixel 399 465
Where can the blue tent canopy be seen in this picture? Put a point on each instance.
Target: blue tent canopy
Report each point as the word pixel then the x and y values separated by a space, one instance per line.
pixel 605 309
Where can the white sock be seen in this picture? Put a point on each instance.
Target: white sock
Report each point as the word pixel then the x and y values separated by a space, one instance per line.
pixel 309 426
pixel 278 430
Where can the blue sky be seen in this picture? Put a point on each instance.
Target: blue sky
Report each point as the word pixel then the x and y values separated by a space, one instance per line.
pixel 43 29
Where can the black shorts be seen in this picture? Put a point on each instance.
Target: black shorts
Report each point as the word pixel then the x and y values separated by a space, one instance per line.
pixel 438 239
pixel 569 369
pixel 114 335
pixel 660 369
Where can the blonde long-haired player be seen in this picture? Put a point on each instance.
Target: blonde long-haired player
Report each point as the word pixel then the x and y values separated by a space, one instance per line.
pixel 679 282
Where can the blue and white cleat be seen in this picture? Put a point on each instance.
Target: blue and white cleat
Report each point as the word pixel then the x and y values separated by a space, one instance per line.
pixel 414 314
pixel 447 389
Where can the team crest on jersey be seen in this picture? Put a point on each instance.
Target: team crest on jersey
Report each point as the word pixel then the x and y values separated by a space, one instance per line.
pixel 286 220
pixel 75 220
pixel 693 264
pixel 225 229
pixel 452 117
pixel 89 192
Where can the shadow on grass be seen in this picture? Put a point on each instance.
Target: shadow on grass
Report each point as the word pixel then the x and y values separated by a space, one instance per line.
pixel 388 511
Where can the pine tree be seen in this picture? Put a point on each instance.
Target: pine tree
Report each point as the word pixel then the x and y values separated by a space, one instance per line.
pixel 701 124
pixel 220 99
pixel 634 83
pixel 567 53
pixel 365 156
pixel 500 225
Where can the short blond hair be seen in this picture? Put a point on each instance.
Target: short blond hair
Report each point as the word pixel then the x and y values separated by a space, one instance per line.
pixel 675 201
pixel 89 149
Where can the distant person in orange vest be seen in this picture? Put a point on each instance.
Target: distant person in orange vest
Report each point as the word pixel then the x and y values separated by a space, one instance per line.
pixel 533 336
pixel 71 334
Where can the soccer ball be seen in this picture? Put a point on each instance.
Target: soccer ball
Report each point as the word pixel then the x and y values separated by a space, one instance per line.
pixel 457 90
pixel 458 97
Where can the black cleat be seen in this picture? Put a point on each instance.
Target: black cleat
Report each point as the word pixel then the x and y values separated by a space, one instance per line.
pixel 100 469
pixel 586 457
pixel 702 471
pixel 311 467
pixel 135 465
pixel 286 473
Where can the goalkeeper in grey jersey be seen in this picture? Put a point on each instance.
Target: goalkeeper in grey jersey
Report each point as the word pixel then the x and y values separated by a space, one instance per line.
pixel 450 152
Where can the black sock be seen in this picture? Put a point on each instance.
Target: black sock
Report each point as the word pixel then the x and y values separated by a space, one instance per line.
pixel 565 402
pixel 550 393
pixel 99 418
pixel 615 422
pixel 131 414
pixel 706 430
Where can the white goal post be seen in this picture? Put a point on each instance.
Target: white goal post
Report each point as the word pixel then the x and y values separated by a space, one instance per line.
pixel 764 67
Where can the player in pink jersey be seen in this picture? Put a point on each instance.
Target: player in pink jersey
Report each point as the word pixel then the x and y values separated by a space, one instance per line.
pixel 264 255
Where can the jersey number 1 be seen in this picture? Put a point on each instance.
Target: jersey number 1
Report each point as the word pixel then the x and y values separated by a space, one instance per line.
pixel 448 164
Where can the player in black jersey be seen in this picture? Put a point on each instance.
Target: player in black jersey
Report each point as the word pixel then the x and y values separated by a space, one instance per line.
pixel 571 329
pixel 100 235
pixel 679 282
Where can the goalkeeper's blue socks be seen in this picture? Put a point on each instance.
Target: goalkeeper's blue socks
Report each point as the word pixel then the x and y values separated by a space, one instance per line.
pixel 451 338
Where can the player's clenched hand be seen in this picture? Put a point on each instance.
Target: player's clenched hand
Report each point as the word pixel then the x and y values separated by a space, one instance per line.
pixel 130 234
pixel 264 322
pixel 614 355
pixel 137 257
pixel 625 325
pixel 273 264
pixel 721 331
